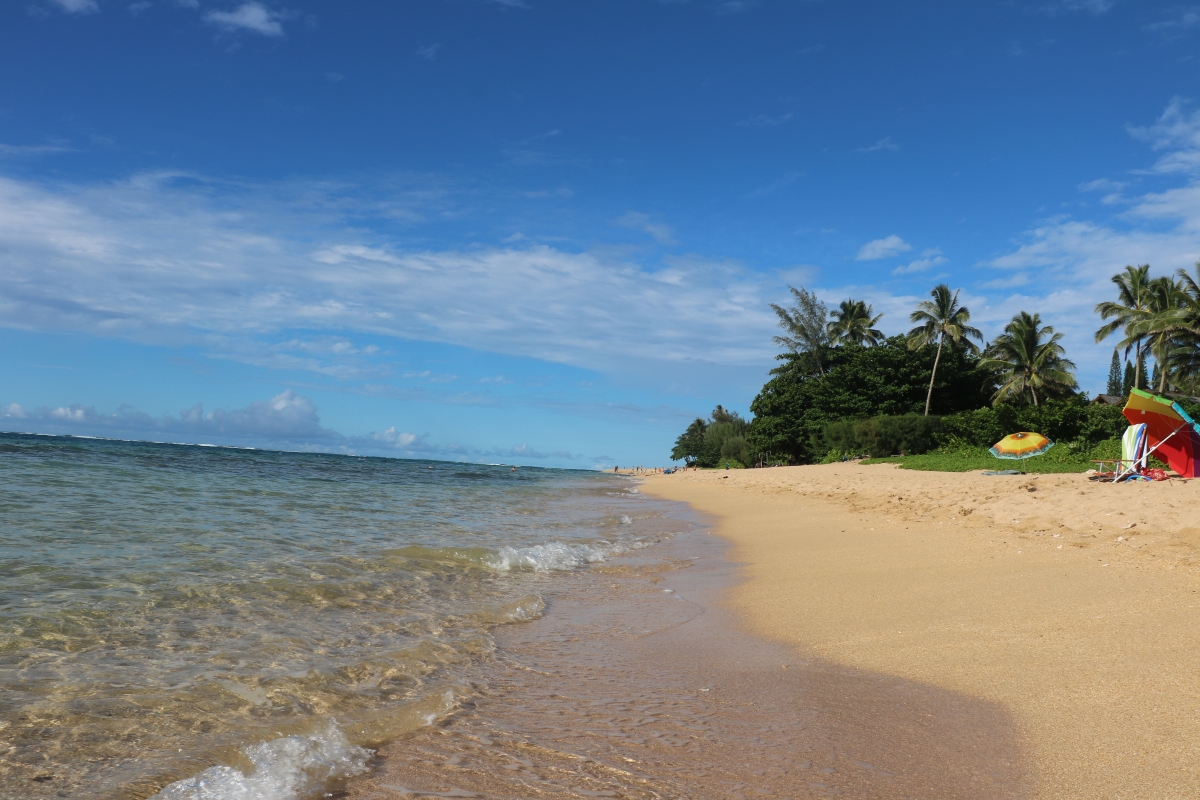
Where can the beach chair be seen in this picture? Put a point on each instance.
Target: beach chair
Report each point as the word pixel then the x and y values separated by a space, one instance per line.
pixel 1133 452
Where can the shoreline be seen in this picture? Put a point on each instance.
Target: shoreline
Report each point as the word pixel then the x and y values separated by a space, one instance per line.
pixel 640 682
pixel 1072 605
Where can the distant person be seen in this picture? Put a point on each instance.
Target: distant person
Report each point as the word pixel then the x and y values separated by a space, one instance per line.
pixel 617 468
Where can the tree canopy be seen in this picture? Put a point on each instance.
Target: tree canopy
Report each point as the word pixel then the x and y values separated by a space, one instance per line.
pixel 794 406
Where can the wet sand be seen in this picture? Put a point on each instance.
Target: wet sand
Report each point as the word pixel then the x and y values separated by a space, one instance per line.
pixel 640 683
pixel 1072 606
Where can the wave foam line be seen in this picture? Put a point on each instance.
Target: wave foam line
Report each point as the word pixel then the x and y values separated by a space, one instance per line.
pixel 555 556
pixel 284 769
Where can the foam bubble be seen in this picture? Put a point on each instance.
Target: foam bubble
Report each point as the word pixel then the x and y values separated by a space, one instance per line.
pixel 284 769
pixel 625 520
pixel 555 556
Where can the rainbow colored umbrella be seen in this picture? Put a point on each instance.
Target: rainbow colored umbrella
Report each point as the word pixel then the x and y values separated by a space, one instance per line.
pixel 1021 445
pixel 1169 430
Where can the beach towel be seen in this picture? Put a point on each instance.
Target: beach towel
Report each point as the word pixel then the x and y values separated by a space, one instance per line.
pixel 1133 448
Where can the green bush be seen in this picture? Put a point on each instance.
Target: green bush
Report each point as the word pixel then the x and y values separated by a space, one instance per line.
pixel 1062 421
pixel 833 457
pixel 840 436
pixel 883 436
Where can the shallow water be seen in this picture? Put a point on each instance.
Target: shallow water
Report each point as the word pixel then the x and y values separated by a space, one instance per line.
pixel 238 623
pixel 639 683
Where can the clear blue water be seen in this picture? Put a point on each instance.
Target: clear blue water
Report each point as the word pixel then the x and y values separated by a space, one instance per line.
pixel 217 616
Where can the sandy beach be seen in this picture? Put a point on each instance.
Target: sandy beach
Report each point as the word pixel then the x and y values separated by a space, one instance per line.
pixel 1075 606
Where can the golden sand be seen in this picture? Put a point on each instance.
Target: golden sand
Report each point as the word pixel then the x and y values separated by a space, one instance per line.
pixel 1074 605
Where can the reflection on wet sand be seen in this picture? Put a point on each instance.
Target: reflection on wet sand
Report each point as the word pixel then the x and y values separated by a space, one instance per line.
pixel 638 684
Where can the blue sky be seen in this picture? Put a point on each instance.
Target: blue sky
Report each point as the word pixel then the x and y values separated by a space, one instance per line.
pixel 548 232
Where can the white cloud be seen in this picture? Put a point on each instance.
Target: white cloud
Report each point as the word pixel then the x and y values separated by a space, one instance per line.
pixel 885 143
pixel 32 150
pixel 1183 21
pixel 252 16
pixel 1011 282
pixel 402 440
pixel 1102 185
pixel 882 248
pixel 233 270
pixel 285 418
pixel 662 233
pixel 1177 132
pixel 77 6
pixel 1089 6
pixel 429 52
pixel 287 421
pixel 930 258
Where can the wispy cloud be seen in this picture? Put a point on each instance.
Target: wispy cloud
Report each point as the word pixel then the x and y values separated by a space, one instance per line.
pixel 765 121
pixel 885 143
pixel 1177 132
pixel 20 151
pixel 1102 185
pixel 786 179
pixel 77 6
pixel 1088 6
pixel 429 52
pixel 662 233
pixel 154 259
pixel 1183 21
pixel 532 152
pixel 1011 282
pixel 882 248
pixel 930 258
pixel 252 16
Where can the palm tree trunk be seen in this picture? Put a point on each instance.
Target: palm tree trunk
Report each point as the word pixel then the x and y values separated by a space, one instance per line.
pixel 936 359
pixel 1137 366
pixel 1032 392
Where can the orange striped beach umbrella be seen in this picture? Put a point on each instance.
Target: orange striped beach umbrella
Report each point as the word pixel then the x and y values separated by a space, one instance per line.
pixel 1021 445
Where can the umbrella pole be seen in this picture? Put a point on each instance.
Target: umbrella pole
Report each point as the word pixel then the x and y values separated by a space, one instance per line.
pixel 1146 455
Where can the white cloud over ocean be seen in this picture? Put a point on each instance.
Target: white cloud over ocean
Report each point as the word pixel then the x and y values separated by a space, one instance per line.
pixel 146 260
pixel 287 421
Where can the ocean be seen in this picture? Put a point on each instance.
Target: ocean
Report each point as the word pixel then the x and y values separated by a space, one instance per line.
pixel 187 622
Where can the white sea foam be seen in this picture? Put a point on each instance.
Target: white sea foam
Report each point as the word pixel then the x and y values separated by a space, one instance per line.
pixel 625 520
pixel 284 769
pixel 555 556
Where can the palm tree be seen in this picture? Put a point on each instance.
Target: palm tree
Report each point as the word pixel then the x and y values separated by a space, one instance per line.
pixel 806 326
pixel 1134 295
pixel 937 319
pixel 1170 315
pixel 853 323
pixel 1029 358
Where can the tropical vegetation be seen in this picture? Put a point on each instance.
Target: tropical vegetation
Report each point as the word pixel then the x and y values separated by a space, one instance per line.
pixel 938 396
